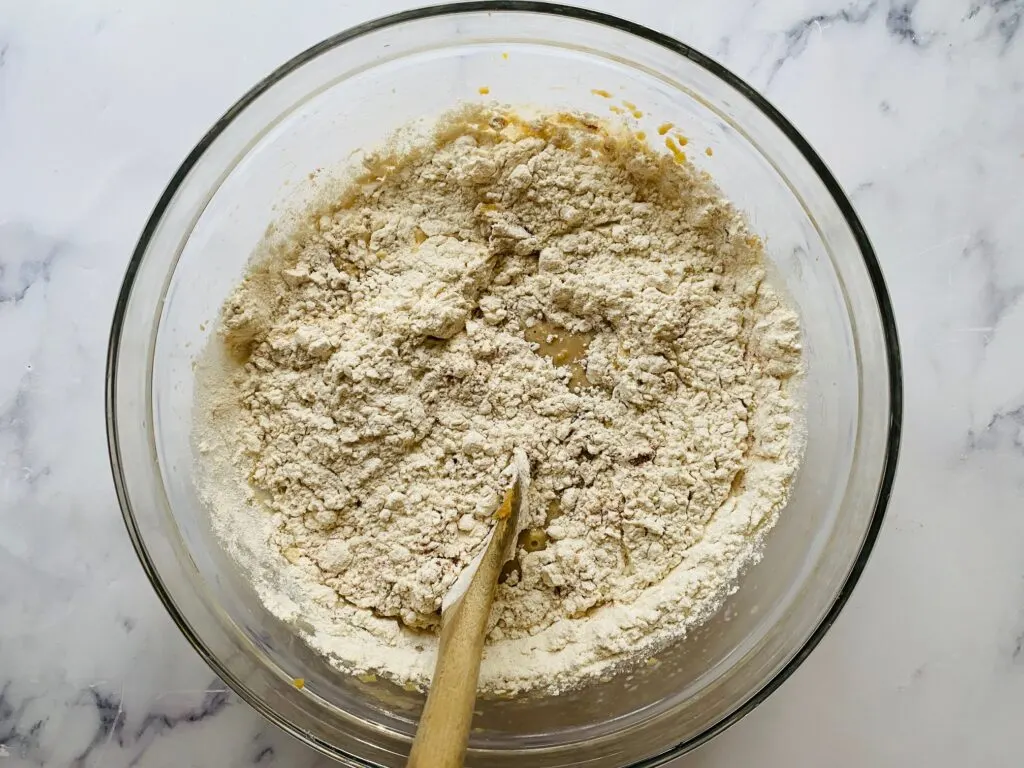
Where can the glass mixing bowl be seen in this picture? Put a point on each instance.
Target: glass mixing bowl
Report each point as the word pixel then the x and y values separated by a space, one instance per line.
pixel 350 91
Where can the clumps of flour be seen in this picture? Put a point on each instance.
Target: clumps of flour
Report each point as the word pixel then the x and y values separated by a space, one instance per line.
pixel 387 378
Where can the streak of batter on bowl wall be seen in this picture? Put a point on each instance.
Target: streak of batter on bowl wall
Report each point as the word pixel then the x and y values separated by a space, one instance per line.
pixel 545 282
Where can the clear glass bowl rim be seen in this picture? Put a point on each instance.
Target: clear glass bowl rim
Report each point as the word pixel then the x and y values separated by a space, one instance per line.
pixel 886 317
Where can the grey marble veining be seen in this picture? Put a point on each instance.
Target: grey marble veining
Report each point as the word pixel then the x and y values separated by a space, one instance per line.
pixel 916 105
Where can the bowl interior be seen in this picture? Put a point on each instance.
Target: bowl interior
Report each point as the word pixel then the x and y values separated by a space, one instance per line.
pixel 317 116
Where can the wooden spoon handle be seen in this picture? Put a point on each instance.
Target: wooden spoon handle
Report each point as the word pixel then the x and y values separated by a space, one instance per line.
pixel 443 732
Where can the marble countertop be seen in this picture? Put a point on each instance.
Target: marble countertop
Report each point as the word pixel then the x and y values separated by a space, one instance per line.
pixel 918 107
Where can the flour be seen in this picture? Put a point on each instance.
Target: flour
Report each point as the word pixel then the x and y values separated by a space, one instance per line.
pixel 388 377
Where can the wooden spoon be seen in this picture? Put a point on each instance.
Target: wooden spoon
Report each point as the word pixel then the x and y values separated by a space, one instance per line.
pixel 443 732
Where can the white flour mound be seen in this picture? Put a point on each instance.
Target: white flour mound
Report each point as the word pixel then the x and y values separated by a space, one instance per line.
pixel 353 458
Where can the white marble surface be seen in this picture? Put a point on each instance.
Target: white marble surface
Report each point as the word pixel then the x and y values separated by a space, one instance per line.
pixel 917 106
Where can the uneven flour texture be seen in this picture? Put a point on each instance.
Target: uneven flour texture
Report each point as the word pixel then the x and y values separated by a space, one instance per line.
pixel 549 284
